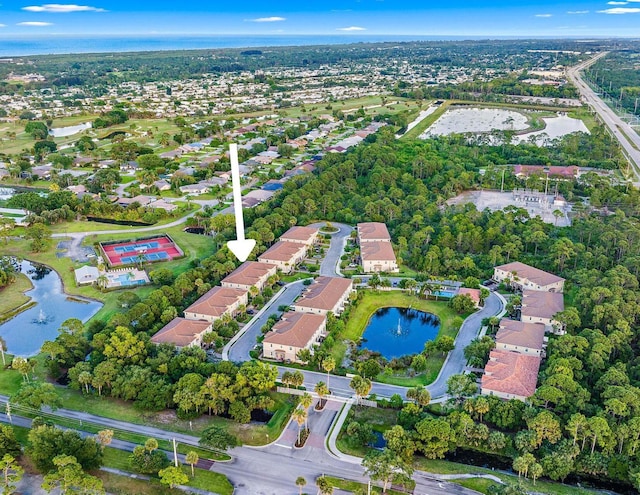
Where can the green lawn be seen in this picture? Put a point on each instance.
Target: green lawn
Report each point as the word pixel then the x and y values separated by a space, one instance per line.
pixel 205 480
pixel 481 485
pixel 87 226
pixel 12 296
pixel 352 486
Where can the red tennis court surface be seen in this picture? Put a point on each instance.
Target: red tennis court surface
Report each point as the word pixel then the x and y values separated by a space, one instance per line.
pixel 161 248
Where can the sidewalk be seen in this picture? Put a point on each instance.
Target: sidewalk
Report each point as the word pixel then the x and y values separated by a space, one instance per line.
pixel 330 445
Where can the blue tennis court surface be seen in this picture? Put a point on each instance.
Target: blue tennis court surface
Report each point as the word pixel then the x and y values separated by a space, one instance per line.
pixel 147 257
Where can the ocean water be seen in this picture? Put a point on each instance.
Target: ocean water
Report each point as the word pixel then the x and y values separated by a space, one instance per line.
pixel 62 44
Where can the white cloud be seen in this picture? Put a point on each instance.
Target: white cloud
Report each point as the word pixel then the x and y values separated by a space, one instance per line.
pixel 617 3
pixel 3 25
pixel 578 12
pixel 620 10
pixel 35 24
pixel 352 28
pixel 544 15
pixel 59 8
pixel 268 19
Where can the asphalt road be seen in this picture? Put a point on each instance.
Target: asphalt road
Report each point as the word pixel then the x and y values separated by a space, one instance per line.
pixel 615 124
pixel 270 470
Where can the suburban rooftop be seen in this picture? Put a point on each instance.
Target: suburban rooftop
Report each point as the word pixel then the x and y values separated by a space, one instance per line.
pixel 535 275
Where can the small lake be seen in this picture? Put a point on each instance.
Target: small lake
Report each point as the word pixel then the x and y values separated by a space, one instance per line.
pixel 26 332
pixel 555 128
pixel 395 332
pixel 58 132
pixel 463 120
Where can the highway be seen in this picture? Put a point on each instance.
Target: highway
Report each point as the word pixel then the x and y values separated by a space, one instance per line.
pixel 623 132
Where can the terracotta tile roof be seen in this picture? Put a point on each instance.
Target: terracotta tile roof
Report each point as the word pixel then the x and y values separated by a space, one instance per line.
pixel 518 333
pixel 372 231
pixel 570 171
pixel 377 250
pixel 282 251
pixel 541 304
pixel 180 332
pixel 249 273
pixel 539 277
pixel 324 293
pixel 295 329
pixel 299 233
pixel 217 301
pixel 474 294
pixel 511 373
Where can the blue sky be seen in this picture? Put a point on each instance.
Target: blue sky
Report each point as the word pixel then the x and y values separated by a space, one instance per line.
pixel 356 17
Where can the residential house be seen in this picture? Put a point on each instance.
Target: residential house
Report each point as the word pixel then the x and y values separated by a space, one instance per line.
pixel 510 375
pixel 250 274
pixel 541 307
pixel 182 332
pixel 42 172
pixel 217 303
pixel 162 185
pixel 83 161
pixel 527 277
pixel 163 205
pixel 378 256
pixel 86 275
pixel 130 166
pixel 324 295
pixel 285 255
pixel 259 195
pixel 249 202
pixel 373 232
pixel 294 332
pixel 195 189
pixel 140 199
pixel 474 294
pixel 301 235
pixel 518 336
pixel 79 189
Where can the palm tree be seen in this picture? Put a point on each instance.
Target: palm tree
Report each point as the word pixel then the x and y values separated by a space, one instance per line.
pixel 324 487
pixel 300 483
pixel 192 458
pixel 305 401
pixel 102 281
pixel 322 390
pixel 140 259
pixel 328 364
pixel 300 417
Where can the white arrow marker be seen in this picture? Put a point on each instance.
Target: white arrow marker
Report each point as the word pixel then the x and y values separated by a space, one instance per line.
pixel 241 247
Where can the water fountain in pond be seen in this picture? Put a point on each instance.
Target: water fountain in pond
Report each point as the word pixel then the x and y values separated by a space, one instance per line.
pixel 42 318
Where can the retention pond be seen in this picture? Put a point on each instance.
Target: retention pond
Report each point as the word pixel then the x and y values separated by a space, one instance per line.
pixel 395 332
pixel 26 333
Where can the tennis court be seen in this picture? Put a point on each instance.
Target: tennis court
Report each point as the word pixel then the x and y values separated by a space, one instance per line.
pixel 159 248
